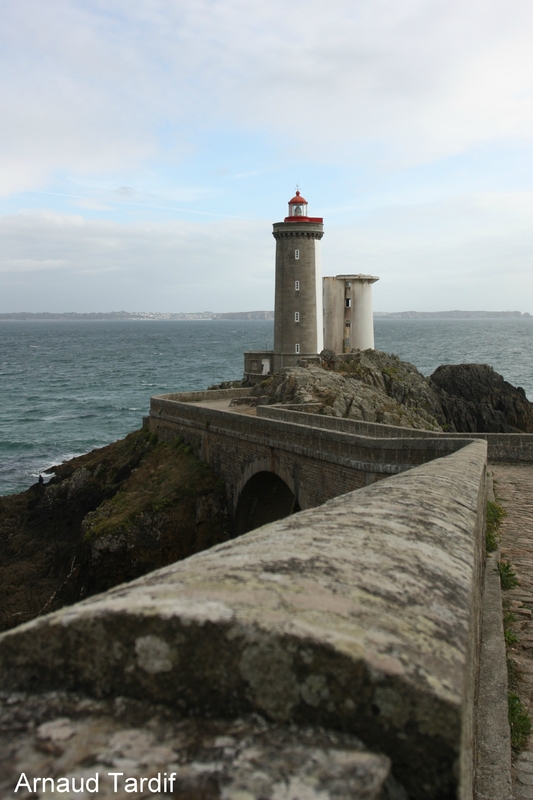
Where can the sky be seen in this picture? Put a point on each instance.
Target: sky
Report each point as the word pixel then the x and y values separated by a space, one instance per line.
pixel 147 146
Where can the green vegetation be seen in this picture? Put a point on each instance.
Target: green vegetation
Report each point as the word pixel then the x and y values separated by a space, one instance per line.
pixel 392 372
pixel 513 673
pixel 519 722
pixel 508 577
pixel 519 719
pixel 495 514
pixel 508 633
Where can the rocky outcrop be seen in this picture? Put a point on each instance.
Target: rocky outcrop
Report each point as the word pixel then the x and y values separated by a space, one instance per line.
pixel 367 385
pixel 105 518
pixel 475 398
pixel 377 387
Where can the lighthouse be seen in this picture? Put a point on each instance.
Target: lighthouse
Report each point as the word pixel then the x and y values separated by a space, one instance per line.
pixel 311 313
pixel 298 326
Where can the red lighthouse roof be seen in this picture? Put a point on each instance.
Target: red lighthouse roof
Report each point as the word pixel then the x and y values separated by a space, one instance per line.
pixel 298 199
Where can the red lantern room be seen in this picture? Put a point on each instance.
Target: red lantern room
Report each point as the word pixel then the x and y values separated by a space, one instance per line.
pixel 298 210
pixel 297 206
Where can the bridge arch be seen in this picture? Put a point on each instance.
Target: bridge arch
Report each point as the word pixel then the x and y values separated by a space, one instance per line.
pixel 265 493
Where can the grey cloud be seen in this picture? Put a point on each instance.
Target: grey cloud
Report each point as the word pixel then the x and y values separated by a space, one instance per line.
pixel 425 258
pixel 86 87
pixel 60 262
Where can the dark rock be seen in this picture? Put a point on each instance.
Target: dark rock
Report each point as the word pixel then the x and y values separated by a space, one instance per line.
pixel 475 398
pixel 229 385
pixel 105 518
pixel 328 358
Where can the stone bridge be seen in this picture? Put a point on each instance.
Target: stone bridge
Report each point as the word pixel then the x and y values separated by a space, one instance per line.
pixel 273 465
pixel 353 651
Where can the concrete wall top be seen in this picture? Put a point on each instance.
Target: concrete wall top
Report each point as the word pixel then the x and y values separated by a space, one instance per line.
pixel 502 446
pixel 198 397
pixel 354 426
pixel 357 277
pixel 366 452
pixel 360 615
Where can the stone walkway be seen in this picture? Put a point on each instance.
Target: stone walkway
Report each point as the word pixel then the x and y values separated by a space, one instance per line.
pixel 514 490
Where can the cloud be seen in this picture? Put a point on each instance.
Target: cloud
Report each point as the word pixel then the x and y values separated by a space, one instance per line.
pixel 101 86
pixel 470 252
pixel 61 262
pixel 467 252
pixel 20 265
pixel 408 117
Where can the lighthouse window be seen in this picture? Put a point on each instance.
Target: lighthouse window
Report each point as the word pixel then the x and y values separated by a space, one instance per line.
pixel 297 316
pixel 296 348
pixel 348 323
pixel 348 302
pixel 297 254
pixel 296 286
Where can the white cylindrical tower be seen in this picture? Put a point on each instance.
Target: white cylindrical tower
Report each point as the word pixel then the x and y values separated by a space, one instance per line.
pixel 362 316
pixel 298 299
pixel 348 314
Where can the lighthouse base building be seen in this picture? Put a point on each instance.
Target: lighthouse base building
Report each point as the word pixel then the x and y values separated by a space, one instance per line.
pixel 311 313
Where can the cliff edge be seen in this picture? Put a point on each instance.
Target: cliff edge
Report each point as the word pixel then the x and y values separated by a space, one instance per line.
pixel 105 518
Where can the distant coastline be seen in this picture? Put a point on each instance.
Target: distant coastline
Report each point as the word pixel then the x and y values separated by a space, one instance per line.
pixel 135 315
pixel 253 315
pixel 451 315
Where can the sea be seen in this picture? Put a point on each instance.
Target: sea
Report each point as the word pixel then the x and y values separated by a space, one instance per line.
pixel 67 387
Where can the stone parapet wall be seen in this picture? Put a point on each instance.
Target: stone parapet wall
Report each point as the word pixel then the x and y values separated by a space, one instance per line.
pixel 317 464
pixel 210 394
pixel 501 446
pixel 507 447
pixel 352 426
pixel 360 616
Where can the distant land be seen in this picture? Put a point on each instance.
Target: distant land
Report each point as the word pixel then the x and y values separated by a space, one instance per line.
pixel 449 314
pixel 159 315
pixel 135 315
